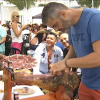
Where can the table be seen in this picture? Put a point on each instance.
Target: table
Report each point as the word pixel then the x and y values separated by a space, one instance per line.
pixel 38 91
pixel 1 87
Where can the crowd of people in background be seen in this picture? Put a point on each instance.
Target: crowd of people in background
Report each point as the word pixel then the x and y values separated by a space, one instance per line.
pixel 29 39
pixel 34 35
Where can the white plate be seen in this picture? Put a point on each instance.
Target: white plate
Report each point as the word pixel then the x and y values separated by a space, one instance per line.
pixel 1 72
pixel 24 90
pixel 38 92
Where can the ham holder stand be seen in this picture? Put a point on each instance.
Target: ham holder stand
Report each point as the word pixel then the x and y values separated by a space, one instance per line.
pixel 9 84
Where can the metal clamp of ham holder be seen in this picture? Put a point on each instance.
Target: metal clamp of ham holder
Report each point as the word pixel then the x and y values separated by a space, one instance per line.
pixel 10 70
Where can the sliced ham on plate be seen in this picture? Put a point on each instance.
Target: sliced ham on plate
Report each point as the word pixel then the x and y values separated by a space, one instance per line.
pixel 20 61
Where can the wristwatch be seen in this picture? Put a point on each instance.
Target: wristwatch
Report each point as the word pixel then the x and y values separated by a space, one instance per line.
pixel 66 63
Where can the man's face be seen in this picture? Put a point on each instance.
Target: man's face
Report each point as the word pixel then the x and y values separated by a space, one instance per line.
pixel 50 40
pixel 59 24
pixel 64 40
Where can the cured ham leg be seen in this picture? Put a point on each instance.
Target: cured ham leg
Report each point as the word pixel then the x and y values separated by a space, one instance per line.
pixel 49 82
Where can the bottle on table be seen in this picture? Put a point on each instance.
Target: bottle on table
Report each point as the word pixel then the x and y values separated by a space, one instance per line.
pixel 16 95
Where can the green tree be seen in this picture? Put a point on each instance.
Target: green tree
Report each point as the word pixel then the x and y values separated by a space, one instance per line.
pixel 89 3
pixel 22 3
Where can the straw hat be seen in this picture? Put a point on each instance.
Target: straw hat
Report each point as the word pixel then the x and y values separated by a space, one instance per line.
pixel 42 31
pixel 56 32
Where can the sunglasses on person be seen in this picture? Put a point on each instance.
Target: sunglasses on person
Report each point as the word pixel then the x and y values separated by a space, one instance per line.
pixel 16 15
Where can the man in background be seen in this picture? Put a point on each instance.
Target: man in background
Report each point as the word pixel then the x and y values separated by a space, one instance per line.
pixel 63 38
pixel 47 53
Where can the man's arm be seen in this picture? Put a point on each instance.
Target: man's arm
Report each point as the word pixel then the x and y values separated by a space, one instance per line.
pixel 71 53
pixel 3 40
pixel 55 68
pixel 89 61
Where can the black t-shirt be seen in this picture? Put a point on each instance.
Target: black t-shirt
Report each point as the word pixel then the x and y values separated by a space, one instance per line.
pixel 65 51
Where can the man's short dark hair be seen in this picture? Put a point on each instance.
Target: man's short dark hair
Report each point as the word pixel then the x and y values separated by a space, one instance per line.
pixel 51 33
pixel 52 10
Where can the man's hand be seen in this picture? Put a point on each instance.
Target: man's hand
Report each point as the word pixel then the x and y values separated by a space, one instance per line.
pixel 58 67
pixel 51 65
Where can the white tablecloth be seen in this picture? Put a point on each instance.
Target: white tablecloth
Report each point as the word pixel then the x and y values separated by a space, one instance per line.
pixel 37 92
pixel 1 86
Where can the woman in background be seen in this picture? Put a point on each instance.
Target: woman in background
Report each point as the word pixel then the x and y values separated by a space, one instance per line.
pixel 32 34
pixel 16 32
pixel 39 38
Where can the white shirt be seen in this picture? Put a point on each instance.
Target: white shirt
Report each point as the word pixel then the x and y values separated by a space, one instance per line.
pixel 41 56
pixel 15 38
pixel 32 36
